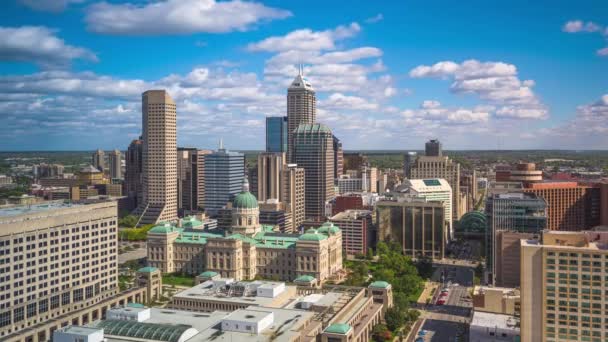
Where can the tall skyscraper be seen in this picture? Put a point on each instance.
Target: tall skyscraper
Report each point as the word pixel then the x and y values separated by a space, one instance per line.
pixel 408 162
pixel 187 180
pixel 440 167
pixel 99 160
pixel 563 280
pixel 224 174
pixel 338 157
pixel 512 212
pixel 301 108
pixel 159 200
pixel 269 175
pixel 293 193
pixel 313 151
pixel 115 164
pixel 432 148
pixel 200 178
pixel 276 134
pixel 134 170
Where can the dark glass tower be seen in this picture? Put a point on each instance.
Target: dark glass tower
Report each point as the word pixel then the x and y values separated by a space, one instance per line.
pixel 276 134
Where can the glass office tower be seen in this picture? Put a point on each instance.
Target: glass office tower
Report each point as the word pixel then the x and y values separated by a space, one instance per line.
pixel 276 134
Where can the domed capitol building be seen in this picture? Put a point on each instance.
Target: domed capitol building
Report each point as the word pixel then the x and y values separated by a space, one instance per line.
pixel 248 249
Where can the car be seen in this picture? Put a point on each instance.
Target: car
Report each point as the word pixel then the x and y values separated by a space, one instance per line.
pixel 441 302
pixel 443 294
pixel 422 332
pixel 419 339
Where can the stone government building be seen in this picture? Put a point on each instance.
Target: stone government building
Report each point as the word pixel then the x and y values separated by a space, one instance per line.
pixel 247 249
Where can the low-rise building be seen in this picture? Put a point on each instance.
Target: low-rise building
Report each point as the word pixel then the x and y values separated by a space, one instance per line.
pixel 499 300
pixel 357 232
pixel 333 313
pixel 492 327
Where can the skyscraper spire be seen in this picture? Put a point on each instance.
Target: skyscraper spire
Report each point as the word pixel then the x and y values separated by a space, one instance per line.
pixel 221 144
pixel 300 70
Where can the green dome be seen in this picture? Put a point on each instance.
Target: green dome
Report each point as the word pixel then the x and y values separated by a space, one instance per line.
pixel 305 279
pixel 380 284
pixel 163 228
pixel 208 274
pixel 147 269
pixel 312 236
pixel 191 222
pixel 473 222
pixel 311 231
pixel 245 200
pixel 338 328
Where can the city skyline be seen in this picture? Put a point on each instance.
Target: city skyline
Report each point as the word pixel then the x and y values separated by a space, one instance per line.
pixel 386 77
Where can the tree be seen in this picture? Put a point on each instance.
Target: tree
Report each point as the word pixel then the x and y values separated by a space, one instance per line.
pixel 128 221
pixel 370 254
pixel 425 267
pixel 381 333
pixel 394 318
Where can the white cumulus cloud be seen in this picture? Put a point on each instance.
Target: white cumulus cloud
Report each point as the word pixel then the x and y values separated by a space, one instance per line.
pixel 494 82
pixel 178 17
pixel 40 45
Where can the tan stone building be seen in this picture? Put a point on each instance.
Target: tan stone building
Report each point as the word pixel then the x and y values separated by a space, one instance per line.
pixel 293 194
pixel 563 282
pixel 247 249
pixel 58 266
pixel 159 201
pixel 499 300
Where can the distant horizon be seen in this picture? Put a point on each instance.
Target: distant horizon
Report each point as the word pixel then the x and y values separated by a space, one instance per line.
pixel 345 151
pixel 519 75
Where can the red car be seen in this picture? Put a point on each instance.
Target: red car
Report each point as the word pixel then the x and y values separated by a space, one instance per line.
pixel 440 302
pixel 443 294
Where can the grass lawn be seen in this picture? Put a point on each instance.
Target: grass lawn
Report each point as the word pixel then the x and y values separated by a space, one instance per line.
pixel 178 280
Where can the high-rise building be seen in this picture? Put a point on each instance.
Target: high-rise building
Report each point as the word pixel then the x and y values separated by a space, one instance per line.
pixel 567 204
pixel 440 167
pixel 433 189
pixel 301 109
pixel 44 170
pixel 432 148
pixel 415 223
pixel 313 151
pixel 200 175
pixel 270 165
pixel 224 174
pixel 187 180
pixel 293 194
pixel 98 160
pixel 513 212
pixel 276 134
pixel 353 161
pixel 408 161
pixel 58 266
pixel 338 157
pixel 563 278
pixel 356 227
pixel 159 181
pixel 115 164
pixel 468 190
pixel 134 170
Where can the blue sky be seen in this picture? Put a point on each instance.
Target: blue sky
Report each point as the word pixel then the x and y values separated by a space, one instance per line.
pixel 388 75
